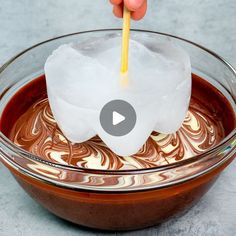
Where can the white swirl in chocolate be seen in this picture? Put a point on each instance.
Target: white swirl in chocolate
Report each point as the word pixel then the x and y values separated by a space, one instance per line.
pixel 37 132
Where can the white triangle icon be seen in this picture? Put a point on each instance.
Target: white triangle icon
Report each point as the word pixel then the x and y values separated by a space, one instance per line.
pixel 117 118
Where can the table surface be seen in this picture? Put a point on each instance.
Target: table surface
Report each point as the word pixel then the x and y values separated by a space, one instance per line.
pixel 210 23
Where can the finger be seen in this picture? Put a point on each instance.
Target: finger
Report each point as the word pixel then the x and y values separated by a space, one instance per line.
pixel 134 5
pixel 116 2
pixel 118 10
pixel 140 13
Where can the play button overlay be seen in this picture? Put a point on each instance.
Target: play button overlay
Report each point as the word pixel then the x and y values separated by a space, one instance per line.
pixel 118 118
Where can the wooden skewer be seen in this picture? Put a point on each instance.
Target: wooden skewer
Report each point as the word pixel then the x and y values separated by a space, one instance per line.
pixel 125 46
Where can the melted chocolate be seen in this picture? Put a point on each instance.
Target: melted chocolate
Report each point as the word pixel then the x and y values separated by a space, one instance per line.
pixel 32 126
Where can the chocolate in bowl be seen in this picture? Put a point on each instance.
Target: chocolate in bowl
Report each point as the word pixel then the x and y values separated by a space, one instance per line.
pixel 34 129
pixel 123 193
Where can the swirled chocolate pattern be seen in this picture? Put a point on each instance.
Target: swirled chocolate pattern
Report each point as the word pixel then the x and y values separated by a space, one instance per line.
pixel 37 132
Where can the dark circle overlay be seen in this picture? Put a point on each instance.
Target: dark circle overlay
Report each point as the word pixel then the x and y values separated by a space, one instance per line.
pixel 125 109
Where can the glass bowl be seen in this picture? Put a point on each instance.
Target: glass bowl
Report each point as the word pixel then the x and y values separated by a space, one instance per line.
pixel 116 200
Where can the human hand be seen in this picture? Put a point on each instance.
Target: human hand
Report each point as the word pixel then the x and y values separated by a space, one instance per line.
pixel 138 8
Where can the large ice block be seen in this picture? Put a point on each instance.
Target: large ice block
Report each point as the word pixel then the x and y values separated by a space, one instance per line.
pixel 82 78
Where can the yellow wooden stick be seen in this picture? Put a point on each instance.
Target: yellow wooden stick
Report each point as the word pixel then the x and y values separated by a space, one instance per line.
pixel 125 46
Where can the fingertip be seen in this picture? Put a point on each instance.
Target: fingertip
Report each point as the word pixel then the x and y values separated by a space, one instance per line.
pixel 140 13
pixel 117 11
pixel 136 16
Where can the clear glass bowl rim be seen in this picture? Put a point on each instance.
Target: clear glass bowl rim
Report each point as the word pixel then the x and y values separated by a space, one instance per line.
pixel 191 160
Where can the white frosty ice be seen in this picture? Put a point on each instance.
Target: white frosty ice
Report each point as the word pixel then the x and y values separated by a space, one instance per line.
pixel 82 78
